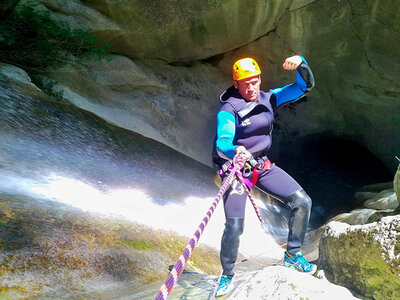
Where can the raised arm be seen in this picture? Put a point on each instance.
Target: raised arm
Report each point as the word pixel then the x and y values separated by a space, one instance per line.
pixel 303 84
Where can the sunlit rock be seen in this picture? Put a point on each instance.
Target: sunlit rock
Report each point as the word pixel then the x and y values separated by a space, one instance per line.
pixel 51 250
pixel 173 59
pixel 378 199
pixel 164 102
pixel 373 191
pixel 16 74
pixel 57 161
pixel 384 200
pixel 355 217
pixel 173 31
pixel 396 183
pixel 350 52
pixel 364 258
pixel 378 215
pixel 278 282
pixel 374 200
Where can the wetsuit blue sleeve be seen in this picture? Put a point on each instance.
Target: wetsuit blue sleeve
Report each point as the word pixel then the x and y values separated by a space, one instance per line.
pixel 226 129
pixel 292 92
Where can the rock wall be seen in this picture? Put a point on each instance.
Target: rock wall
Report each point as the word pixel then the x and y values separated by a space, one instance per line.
pixel 396 183
pixel 278 282
pixel 175 59
pixel 350 46
pixel 363 258
pixel 53 248
pixel 173 31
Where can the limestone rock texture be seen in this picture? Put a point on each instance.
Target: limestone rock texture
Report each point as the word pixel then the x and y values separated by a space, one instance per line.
pixel 173 31
pixel 396 183
pixel 50 249
pixel 174 58
pixel 379 199
pixel 363 258
pixel 375 201
pixel 277 282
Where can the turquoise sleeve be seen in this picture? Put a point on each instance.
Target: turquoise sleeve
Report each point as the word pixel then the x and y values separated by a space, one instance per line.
pixel 226 133
pixel 296 90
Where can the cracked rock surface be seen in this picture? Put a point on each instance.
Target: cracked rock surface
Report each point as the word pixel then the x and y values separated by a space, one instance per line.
pixel 175 58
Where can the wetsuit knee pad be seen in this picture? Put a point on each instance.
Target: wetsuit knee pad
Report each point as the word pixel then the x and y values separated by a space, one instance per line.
pixel 300 205
pixel 234 226
pixel 299 199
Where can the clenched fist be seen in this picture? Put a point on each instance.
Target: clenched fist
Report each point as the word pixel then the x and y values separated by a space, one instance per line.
pixel 291 63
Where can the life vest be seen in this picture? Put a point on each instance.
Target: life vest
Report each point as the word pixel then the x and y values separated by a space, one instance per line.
pixel 253 122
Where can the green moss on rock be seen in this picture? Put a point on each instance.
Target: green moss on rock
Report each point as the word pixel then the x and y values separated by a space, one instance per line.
pixel 356 260
pixel 67 250
pixel 396 183
pixel 140 245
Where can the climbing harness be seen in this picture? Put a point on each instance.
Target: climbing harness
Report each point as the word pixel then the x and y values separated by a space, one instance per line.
pixel 266 165
pixel 242 181
pixel 252 165
pixel 166 288
pixel 234 170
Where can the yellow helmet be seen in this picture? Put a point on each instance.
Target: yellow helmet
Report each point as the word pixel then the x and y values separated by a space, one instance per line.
pixel 245 68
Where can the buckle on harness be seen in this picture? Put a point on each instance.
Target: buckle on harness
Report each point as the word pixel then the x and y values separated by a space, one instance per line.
pixel 266 165
pixel 246 170
pixel 249 166
pixel 263 165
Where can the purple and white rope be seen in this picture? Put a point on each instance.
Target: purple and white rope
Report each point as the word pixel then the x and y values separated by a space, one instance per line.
pixel 169 284
pixel 239 175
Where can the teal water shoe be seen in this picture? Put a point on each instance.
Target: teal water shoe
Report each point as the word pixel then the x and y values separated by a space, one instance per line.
pixel 225 285
pixel 299 263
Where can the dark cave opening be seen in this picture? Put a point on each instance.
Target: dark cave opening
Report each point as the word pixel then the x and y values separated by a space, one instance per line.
pixel 330 169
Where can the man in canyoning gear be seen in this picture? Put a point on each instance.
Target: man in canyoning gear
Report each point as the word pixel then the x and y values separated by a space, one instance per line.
pixel 244 126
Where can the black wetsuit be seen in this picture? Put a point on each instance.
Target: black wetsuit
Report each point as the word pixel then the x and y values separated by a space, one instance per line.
pixel 250 124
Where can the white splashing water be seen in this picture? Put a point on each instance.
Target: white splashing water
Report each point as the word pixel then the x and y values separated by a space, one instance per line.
pixel 135 205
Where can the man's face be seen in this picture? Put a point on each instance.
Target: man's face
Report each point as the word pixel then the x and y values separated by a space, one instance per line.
pixel 249 88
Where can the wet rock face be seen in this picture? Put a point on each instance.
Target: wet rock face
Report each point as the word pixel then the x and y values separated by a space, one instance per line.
pixel 385 199
pixel 348 45
pixel 51 250
pixel 277 282
pixel 396 183
pixel 54 251
pixel 364 258
pixel 355 82
pixel 173 30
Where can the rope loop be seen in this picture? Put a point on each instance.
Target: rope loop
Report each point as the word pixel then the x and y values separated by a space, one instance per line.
pixel 238 163
pixel 177 270
pixel 239 159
